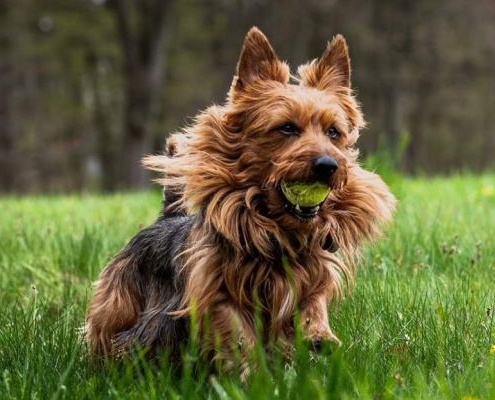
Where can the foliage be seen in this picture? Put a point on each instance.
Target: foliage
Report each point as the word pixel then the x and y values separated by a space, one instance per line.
pixel 420 322
pixel 387 159
pixel 67 89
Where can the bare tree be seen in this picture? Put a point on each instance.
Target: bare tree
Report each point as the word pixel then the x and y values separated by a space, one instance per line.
pixel 6 135
pixel 143 29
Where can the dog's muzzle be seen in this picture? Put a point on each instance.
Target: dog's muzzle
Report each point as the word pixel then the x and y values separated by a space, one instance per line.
pixel 323 168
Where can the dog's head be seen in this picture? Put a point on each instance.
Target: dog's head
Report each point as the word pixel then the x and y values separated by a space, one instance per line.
pixel 279 158
pixel 299 132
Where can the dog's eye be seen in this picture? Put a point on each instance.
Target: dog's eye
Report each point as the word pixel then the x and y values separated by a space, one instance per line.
pixel 333 132
pixel 289 129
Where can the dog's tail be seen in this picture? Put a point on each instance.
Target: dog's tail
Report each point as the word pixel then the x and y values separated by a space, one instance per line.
pixel 172 196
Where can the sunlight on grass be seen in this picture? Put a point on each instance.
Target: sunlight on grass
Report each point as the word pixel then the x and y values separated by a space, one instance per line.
pixel 419 322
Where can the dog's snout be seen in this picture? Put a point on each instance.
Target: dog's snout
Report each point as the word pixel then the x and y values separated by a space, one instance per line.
pixel 324 167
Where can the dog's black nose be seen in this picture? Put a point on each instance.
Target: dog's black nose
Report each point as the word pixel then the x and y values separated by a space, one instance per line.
pixel 324 167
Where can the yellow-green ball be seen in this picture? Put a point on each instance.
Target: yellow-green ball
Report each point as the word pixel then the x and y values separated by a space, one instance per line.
pixel 304 194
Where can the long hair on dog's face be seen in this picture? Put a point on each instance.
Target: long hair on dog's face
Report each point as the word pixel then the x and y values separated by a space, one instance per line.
pixel 230 165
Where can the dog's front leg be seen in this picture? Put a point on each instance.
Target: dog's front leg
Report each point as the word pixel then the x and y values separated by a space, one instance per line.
pixel 314 322
pixel 227 339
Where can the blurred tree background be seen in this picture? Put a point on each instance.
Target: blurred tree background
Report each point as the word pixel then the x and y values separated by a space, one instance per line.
pixel 89 86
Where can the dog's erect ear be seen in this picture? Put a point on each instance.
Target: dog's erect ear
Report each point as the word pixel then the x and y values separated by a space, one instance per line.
pixel 333 69
pixel 258 61
pixel 336 58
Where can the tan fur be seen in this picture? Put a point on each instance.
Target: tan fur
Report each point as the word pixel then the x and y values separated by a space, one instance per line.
pixel 116 305
pixel 249 254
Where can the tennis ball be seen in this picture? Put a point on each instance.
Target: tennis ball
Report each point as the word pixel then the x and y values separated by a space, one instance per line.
pixel 304 194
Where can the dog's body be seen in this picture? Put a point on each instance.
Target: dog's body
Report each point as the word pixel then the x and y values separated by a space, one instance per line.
pixel 234 247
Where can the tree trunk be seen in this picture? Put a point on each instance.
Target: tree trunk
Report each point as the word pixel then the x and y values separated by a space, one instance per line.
pixel 7 156
pixel 143 31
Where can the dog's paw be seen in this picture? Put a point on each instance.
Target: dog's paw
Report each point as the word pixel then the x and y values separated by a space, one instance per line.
pixel 320 344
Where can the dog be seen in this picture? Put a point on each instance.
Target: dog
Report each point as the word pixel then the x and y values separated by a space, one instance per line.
pixel 233 245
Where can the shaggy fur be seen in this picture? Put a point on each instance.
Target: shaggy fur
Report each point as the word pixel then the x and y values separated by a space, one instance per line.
pixel 228 246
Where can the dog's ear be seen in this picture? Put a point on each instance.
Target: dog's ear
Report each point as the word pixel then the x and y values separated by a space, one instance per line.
pixel 335 60
pixel 332 69
pixel 258 61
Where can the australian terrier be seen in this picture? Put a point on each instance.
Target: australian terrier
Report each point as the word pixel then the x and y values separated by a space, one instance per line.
pixel 266 208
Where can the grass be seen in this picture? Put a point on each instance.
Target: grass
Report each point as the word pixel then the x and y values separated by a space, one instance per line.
pixel 419 324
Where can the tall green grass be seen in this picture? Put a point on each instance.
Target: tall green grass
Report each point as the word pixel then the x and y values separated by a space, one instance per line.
pixel 419 323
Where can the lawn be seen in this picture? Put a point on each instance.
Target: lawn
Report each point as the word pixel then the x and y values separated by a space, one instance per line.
pixel 419 323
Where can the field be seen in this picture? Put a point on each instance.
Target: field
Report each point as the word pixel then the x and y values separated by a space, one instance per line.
pixel 419 323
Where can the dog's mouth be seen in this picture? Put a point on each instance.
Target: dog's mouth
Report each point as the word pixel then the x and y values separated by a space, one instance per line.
pixel 304 199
